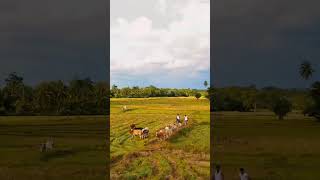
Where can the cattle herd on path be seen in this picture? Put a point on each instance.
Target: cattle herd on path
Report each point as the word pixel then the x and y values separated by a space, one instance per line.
pixel 161 134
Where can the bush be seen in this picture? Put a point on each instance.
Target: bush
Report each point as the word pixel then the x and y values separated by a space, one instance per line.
pixel 198 95
pixel 281 107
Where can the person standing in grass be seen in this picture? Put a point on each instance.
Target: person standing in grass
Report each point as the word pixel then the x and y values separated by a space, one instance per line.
pixel 185 119
pixel 218 175
pixel 243 175
pixel 178 119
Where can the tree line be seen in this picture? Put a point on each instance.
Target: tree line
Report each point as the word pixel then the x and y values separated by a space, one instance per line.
pixel 250 99
pixel 280 101
pixel 152 91
pixel 78 97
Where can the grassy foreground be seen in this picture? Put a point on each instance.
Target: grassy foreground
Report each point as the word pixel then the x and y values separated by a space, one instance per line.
pixel 79 152
pixel 185 156
pixel 268 148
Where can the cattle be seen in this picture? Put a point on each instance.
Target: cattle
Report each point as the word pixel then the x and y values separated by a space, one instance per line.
pixel 168 131
pixel 173 127
pixel 145 132
pixel 161 134
pixel 141 132
pixel 47 146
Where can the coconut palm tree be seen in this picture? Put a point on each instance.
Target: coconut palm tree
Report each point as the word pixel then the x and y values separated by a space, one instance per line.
pixel 205 84
pixel 306 70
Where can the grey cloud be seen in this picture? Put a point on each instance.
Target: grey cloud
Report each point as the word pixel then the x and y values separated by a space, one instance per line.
pixel 49 40
pixel 262 42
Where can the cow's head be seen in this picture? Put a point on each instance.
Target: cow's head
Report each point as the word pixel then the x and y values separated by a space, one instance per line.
pixel 133 126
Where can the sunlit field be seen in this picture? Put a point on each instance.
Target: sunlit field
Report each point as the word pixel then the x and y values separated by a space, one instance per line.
pixel 185 155
pixel 266 147
pixel 78 153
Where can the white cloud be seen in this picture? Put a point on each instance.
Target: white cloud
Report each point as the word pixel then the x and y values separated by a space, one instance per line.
pixel 179 51
pixel 162 6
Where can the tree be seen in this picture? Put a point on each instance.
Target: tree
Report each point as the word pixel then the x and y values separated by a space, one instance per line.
pixel 50 97
pixel 81 97
pixel 205 84
pixel 313 108
pixel 210 96
pixel 2 108
pixel 281 107
pixel 198 95
pixel 306 70
pixel 13 91
pixel 102 94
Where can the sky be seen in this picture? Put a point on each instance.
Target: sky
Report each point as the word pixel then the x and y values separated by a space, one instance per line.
pixel 53 39
pixel 263 42
pixel 165 43
pixel 161 42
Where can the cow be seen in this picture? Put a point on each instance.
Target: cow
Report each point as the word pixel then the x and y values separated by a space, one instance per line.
pixel 168 131
pixel 124 108
pixel 173 127
pixel 145 132
pixel 47 146
pixel 161 134
pixel 141 132
pixel 134 131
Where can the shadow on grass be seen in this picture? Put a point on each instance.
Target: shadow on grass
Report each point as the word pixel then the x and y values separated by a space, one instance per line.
pixel 46 156
pixel 129 110
pixel 181 133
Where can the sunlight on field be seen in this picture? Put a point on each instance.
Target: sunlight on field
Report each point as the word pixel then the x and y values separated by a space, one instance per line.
pixel 186 155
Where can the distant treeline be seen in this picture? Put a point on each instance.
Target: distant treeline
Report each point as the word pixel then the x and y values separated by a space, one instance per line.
pixel 152 91
pixel 78 97
pixel 252 98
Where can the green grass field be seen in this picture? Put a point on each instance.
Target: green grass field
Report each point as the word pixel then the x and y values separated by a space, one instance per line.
pixel 79 152
pixel 184 156
pixel 268 148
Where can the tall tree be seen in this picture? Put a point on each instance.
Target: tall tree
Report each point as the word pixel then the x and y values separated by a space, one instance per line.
pixel 306 70
pixel 205 84
pixel 13 91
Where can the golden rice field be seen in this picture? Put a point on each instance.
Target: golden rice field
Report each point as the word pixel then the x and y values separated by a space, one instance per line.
pixel 186 155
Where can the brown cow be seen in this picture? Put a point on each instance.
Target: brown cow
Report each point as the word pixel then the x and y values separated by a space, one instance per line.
pixel 134 131
pixel 161 134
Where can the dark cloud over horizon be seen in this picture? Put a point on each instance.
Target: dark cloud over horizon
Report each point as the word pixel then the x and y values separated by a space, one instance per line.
pixel 262 42
pixel 51 40
pixel 257 42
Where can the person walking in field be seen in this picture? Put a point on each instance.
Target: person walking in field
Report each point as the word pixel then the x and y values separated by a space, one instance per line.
pixel 185 119
pixel 243 175
pixel 178 119
pixel 218 175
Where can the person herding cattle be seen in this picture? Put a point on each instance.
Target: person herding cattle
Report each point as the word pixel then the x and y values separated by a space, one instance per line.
pixel 178 119
pixel 218 175
pixel 243 175
pixel 185 119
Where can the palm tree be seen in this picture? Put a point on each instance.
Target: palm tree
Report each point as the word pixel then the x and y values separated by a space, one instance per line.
pixel 205 84
pixel 306 70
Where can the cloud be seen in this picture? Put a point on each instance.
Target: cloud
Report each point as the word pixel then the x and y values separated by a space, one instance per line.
pixel 267 39
pixel 162 6
pixel 53 40
pixel 177 52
